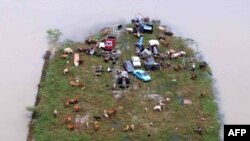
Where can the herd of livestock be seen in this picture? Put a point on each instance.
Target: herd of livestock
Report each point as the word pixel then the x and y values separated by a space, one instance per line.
pixel 105 48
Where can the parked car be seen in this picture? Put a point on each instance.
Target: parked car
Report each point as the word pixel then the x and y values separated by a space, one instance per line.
pixel 136 61
pixel 150 64
pixel 142 75
pixel 128 66
pixel 123 79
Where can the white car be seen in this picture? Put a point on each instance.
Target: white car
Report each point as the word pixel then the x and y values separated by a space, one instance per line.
pixel 136 61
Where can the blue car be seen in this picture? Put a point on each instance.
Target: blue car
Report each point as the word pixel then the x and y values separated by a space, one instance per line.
pixel 142 75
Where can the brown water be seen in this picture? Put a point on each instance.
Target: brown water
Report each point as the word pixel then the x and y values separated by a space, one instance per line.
pixel 221 27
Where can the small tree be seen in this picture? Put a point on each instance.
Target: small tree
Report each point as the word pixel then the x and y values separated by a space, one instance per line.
pixel 54 35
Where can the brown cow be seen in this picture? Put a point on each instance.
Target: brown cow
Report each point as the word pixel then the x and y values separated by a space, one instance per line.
pixel 108 113
pixel 68 119
pixel 73 101
pixel 76 108
pixel 77 84
pixel 194 76
pixel 71 127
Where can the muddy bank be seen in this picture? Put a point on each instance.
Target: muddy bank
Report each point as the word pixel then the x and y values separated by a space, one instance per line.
pixel 46 58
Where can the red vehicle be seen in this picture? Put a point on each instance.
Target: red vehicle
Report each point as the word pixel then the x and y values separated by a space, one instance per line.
pixel 110 42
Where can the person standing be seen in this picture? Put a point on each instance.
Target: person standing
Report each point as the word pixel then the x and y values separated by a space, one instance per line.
pixel 193 67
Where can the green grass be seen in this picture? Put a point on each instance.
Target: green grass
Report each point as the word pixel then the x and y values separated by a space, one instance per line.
pixel 175 123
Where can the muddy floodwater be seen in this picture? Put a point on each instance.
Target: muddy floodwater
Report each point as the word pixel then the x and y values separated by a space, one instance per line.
pixel 221 28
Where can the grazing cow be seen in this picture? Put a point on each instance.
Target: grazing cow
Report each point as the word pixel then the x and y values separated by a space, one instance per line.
pixel 68 51
pixel 68 119
pixel 71 127
pixel 108 113
pixel 73 101
pixel 193 76
pixel 157 108
pixel 66 70
pixel 76 108
pixel 178 68
pixel 96 125
pixel 64 56
pixel 177 54
pixel 76 84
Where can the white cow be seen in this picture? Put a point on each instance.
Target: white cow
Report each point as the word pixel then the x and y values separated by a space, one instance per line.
pixel 68 50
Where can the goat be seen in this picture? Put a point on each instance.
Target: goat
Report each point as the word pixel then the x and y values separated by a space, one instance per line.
pixel 157 108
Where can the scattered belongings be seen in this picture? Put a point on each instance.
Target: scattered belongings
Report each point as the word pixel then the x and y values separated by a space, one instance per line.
pixel 68 50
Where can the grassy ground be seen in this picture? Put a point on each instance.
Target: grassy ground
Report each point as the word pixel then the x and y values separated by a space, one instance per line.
pixel 175 123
